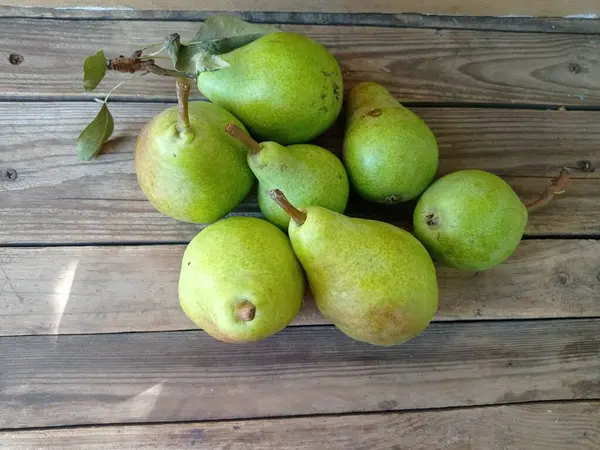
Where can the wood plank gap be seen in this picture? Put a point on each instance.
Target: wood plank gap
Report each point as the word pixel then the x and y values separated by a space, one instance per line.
pixel 404 20
pixel 592 401
pixel 8 99
pixel 549 237
pixel 321 326
pixel 526 237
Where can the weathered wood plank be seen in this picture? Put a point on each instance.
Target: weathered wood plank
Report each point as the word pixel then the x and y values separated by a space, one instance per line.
pixel 415 64
pixel 547 8
pixel 150 377
pixel 552 426
pixel 57 198
pixel 63 290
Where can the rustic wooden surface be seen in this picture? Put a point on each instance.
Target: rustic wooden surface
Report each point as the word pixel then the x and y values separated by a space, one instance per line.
pixel 91 333
pixel 154 377
pixel 548 8
pixel 415 64
pixel 551 426
pixel 69 290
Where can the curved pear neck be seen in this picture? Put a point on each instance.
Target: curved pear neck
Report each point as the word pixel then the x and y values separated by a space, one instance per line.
pixel 299 217
pixel 371 96
pixel 183 96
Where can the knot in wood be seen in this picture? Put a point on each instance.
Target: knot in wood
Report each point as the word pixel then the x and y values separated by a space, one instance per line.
pixel 8 174
pixel 15 59
pixel 574 68
pixel 586 166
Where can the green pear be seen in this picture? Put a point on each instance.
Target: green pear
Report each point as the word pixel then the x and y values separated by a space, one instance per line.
pixel 187 167
pixel 374 281
pixel 390 153
pixel 309 174
pixel 284 86
pixel 473 220
pixel 240 280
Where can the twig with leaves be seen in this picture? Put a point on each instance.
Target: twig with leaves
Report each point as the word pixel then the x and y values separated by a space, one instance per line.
pixel 217 35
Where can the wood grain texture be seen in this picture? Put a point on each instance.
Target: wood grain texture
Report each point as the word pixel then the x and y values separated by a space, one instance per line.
pixel 150 377
pixel 117 289
pixel 552 426
pixel 58 199
pixel 548 8
pixel 415 64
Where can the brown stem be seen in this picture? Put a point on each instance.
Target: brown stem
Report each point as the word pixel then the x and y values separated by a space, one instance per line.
pixel 244 311
pixel 297 216
pixel 157 70
pixel 183 95
pixel 557 186
pixel 243 137
pixel 133 65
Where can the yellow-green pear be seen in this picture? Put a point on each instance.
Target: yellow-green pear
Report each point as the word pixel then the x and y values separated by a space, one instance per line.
pixel 374 281
pixel 390 153
pixel 309 174
pixel 284 87
pixel 240 280
pixel 473 220
pixel 187 167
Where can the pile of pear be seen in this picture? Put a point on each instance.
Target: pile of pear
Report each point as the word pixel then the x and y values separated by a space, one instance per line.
pixel 244 278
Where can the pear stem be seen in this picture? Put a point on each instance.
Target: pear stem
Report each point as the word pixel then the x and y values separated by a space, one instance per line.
pixel 557 186
pixel 243 137
pixel 244 311
pixel 183 95
pixel 297 216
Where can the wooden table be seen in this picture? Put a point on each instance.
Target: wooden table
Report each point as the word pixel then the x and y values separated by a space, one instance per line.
pixel 94 349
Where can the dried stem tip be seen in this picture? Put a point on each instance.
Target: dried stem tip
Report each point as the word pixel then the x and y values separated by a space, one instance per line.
pixel 243 137
pixel 557 186
pixel 183 95
pixel 297 216
pixel 245 311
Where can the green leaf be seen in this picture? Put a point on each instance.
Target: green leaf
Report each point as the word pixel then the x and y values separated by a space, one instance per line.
pixel 228 33
pixel 217 35
pixel 91 139
pixel 94 69
pixel 206 62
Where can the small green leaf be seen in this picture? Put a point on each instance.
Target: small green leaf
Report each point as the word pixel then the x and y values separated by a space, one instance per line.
pixel 176 52
pixel 94 69
pixel 217 35
pixel 219 27
pixel 205 62
pixel 91 139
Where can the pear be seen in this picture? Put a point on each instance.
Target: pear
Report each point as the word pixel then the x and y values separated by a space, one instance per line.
pixel 186 166
pixel 374 281
pixel 284 86
pixel 240 280
pixel 390 154
pixel 308 173
pixel 473 220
